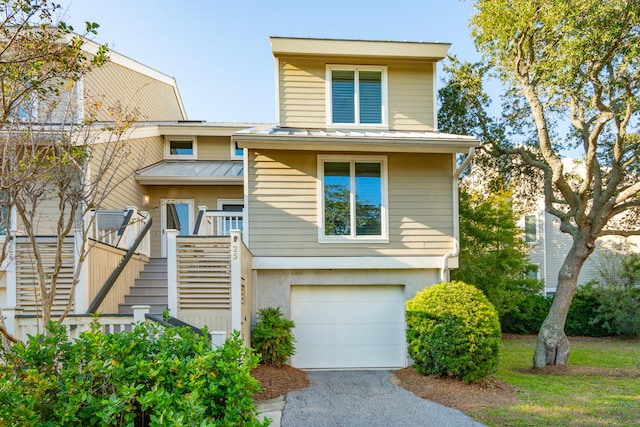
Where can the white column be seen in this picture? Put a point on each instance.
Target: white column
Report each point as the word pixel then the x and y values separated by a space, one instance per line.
pixel 172 271
pixel 10 263
pixel 202 231
pixel 217 338
pixel 139 312
pixel 132 229
pixel 236 280
pixel 82 288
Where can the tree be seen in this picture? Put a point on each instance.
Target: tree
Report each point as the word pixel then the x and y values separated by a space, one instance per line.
pixel 571 67
pixel 52 151
pixel 492 251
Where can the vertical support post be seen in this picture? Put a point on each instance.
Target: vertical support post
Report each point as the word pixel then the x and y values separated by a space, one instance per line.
pixel 11 262
pixel 201 221
pixel 10 321
pixel 140 312
pixel 79 247
pixel 217 338
pixel 133 228
pixel 236 280
pixel 172 271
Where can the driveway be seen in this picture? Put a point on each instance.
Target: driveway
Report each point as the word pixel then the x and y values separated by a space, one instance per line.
pixel 363 398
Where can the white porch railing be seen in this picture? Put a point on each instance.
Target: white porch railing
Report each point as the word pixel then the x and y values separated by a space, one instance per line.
pixel 217 223
pixel 121 228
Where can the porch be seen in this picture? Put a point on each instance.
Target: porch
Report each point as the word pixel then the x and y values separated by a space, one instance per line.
pixel 207 283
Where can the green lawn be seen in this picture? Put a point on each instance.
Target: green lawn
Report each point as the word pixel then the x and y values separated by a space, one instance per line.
pixel 582 399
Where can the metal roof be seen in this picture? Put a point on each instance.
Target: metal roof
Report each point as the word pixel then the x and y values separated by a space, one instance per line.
pixel 362 139
pixel 192 172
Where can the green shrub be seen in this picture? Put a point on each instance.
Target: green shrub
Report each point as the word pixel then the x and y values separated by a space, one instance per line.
pixel 453 330
pixel 527 316
pixel 581 319
pixel 147 377
pixel 272 337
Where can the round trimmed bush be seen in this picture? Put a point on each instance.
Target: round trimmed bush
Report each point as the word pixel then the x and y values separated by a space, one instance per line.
pixel 453 330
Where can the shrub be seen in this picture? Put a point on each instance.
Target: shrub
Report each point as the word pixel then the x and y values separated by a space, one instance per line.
pixel 528 315
pixel 453 330
pixel 145 377
pixel 272 337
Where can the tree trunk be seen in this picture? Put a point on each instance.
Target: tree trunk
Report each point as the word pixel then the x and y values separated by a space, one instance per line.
pixel 553 346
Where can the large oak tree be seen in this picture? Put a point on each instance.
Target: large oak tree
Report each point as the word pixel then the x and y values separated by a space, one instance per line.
pixel 575 68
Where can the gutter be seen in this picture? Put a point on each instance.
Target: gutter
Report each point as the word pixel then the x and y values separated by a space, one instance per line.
pixel 444 272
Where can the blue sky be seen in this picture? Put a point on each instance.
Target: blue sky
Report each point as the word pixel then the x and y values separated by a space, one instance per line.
pixel 219 52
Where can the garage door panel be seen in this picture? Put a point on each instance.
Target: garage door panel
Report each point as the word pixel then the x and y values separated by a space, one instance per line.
pixel 348 326
pixel 322 357
pixel 345 335
pixel 347 312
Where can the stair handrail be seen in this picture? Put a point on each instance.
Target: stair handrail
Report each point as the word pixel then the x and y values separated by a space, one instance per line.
pixel 171 322
pixel 115 274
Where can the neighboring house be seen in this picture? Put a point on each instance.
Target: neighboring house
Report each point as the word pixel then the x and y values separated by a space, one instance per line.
pixel 548 247
pixel 347 207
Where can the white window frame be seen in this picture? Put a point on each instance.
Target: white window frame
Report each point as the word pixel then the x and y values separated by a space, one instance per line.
pixel 356 69
pixel 352 238
pixel 524 228
pixel 233 154
pixel 167 147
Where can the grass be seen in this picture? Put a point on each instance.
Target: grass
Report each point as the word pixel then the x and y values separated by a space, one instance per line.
pixel 602 387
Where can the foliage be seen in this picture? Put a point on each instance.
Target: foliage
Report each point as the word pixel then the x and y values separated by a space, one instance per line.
pixel 453 330
pixel 571 74
pixel 145 377
pixel 492 252
pixel 272 337
pixel 528 315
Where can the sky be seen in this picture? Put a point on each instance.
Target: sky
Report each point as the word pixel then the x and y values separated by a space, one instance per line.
pixel 219 51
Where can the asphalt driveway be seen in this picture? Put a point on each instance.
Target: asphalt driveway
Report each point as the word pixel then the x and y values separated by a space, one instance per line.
pixel 363 398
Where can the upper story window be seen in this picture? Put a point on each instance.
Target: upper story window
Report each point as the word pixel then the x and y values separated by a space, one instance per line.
pixel 531 228
pixel 180 148
pixel 236 152
pixel 354 198
pixel 4 214
pixel 356 96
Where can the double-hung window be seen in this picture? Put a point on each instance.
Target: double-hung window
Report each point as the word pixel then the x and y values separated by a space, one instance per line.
pixel 353 198
pixel 356 96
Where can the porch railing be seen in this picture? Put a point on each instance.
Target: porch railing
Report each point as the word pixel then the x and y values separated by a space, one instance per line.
pixel 217 223
pixel 120 228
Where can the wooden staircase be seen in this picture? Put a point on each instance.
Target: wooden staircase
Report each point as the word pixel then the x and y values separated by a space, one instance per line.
pixel 149 289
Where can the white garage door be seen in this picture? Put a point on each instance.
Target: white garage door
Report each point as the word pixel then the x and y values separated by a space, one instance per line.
pixel 348 326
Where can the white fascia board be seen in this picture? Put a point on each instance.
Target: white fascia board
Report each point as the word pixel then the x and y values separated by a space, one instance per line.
pixel 351 263
pixel 178 180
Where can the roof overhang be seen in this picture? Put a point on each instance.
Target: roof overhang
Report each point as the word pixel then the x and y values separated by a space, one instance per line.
pixel 292 46
pixel 275 138
pixel 192 172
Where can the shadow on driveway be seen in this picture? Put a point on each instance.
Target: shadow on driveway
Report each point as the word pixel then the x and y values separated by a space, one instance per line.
pixel 364 398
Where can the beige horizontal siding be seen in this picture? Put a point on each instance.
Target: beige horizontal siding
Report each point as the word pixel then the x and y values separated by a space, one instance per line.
pixel 285 222
pixel 123 188
pixel 152 99
pixel 214 148
pixel 302 93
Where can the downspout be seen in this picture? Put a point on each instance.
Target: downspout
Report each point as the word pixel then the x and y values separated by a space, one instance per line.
pixel 444 272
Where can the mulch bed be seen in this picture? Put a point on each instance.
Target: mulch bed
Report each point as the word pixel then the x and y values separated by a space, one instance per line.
pixel 278 381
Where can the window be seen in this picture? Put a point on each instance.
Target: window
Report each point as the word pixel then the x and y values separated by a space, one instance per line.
pixel 4 219
pixel 354 198
pixel 236 152
pixel 183 148
pixel 531 228
pixel 356 96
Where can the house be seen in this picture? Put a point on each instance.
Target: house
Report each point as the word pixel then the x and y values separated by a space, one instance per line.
pixel 337 214
pixel 548 247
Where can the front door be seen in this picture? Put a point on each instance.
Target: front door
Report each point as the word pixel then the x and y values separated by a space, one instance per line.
pixel 176 214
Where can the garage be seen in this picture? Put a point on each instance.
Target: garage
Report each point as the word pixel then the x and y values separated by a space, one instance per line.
pixel 348 326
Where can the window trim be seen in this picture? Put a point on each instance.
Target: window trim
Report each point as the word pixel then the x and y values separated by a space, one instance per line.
pixel 167 147
pixel 384 176
pixel 356 69
pixel 233 154
pixel 524 228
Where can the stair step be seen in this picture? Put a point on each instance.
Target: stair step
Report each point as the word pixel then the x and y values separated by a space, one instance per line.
pixel 155 308
pixel 153 275
pixel 149 290
pixel 146 299
pixel 150 282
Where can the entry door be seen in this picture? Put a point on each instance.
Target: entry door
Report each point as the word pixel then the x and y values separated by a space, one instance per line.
pixel 177 214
